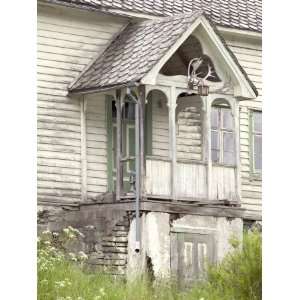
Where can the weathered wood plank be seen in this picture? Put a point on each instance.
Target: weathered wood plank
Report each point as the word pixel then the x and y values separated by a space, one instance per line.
pixel 158 177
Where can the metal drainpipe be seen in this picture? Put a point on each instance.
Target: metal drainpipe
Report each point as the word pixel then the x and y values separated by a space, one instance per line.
pixel 137 172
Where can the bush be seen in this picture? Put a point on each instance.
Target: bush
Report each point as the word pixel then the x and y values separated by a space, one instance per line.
pixel 238 277
pixel 61 276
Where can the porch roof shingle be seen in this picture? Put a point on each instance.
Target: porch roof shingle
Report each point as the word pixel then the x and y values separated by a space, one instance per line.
pixel 134 52
pixel 242 14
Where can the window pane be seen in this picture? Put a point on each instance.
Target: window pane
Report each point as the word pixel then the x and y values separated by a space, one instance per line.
pixel 129 111
pixel 257 121
pixel 227 119
pixel 228 144
pixel 257 152
pixel 114 110
pixel 215 144
pixel 228 140
pixel 215 118
pixel 215 155
pixel 114 145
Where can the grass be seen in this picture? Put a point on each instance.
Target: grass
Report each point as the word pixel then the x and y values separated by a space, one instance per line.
pixel 61 277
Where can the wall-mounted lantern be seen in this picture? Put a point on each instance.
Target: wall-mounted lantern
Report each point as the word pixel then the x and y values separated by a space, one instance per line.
pixel 203 90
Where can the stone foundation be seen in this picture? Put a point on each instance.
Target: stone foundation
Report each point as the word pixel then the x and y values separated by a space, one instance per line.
pixel 156 243
pixel 109 234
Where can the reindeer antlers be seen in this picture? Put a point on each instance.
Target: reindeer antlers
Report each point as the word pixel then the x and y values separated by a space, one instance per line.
pixel 209 73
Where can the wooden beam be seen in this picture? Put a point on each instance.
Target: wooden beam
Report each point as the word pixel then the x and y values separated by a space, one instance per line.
pixel 119 141
pixel 180 208
pixel 237 150
pixel 83 103
pixel 207 142
pixel 172 103
pixel 142 99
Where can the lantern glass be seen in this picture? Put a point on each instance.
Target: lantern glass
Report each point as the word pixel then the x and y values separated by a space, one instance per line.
pixel 203 90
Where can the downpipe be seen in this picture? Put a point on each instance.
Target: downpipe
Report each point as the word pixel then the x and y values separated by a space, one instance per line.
pixel 137 246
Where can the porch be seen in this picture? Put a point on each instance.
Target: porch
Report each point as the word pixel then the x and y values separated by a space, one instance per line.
pixel 179 146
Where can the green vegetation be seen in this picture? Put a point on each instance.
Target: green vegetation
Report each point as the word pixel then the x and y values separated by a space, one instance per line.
pixel 61 275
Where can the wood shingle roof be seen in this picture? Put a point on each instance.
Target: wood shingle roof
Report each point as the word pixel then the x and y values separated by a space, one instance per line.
pixel 135 51
pixel 241 14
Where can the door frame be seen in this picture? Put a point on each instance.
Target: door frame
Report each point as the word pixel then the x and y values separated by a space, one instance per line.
pixel 109 126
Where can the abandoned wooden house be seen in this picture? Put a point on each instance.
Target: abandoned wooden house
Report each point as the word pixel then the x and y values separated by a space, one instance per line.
pixel 149 128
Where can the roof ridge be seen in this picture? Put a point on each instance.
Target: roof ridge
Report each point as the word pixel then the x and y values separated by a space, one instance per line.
pixel 165 19
pixel 240 14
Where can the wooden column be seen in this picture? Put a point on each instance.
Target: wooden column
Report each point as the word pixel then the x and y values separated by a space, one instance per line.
pixel 207 141
pixel 83 150
pixel 236 112
pixel 172 138
pixel 142 98
pixel 119 145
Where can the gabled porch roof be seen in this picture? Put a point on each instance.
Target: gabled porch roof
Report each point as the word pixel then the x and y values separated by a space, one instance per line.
pixel 141 48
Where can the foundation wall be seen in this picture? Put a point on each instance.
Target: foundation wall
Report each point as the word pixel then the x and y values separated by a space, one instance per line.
pixel 156 241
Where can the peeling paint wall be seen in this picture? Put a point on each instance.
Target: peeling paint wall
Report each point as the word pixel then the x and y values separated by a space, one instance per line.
pixel 156 231
pixel 155 244
pixel 189 128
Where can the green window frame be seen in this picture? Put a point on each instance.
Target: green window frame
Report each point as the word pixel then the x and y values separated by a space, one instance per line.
pixel 222 136
pixel 256 142
pixel 110 143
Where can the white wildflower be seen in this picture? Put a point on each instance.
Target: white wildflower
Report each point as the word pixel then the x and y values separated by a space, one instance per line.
pixel 71 236
pixel 102 292
pixel 90 227
pixel 66 230
pixel 56 234
pixel 60 284
pixel 46 232
pixel 44 281
pixel 72 256
pixel 82 255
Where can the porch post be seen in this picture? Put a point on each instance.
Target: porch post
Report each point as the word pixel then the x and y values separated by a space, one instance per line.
pixel 118 152
pixel 172 138
pixel 142 139
pixel 237 149
pixel 83 104
pixel 207 142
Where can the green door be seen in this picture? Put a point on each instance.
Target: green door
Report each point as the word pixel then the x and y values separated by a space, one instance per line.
pixel 190 253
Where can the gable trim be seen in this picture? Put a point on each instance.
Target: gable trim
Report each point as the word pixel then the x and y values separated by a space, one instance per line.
pixel 247 90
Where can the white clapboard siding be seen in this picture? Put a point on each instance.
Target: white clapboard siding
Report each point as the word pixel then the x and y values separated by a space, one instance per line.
pixel 249 55
pixel 158 177
pixel 160 128
pixel 68 39
pixel 96 150
pixel 191 181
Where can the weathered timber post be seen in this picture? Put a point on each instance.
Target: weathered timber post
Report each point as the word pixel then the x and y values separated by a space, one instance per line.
pixel 119 145
pixel 207 137
pixel 236 111
pixel 172 138
pixel 142 97
pixel 83 149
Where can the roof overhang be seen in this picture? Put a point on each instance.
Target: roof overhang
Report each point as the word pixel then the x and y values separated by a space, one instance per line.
pixel 243 89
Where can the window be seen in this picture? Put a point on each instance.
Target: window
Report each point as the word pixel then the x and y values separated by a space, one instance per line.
pixel 256 141
pixel 222 136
